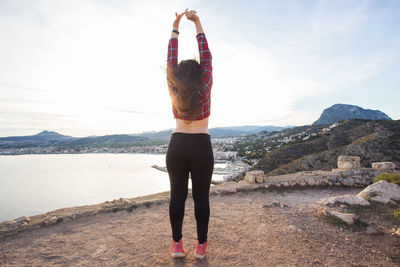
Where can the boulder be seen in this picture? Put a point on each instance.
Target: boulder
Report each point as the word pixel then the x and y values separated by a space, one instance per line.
pixel 347 199
pixel 382 192
pixel 384 166
pixel 349 162
pixel 348 218
pixel 254 176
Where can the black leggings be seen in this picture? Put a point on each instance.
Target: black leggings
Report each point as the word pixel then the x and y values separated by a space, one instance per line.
pixel 190 153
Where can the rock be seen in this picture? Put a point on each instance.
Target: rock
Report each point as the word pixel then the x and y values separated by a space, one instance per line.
pixel 347 174
pixel 382 192
pixel 243 182
pixel 10 223
pixel 260 178
pixel 293 228
pixel 311 182
pixel 303 184
pixel 371 231
pixel 384 166
pixel 347 199
pixel 346 217
pixel 397 232
pixel 348 182
pixel 321 211
pixel 285 184
pixel 334 177
pixel 23 218
pixel 17 222
pixel 254 176
pixel 53 220
pixel 292 183
pixel 275 203
pixel 349 162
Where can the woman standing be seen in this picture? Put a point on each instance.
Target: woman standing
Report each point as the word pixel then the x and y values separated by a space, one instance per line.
pixel 189 149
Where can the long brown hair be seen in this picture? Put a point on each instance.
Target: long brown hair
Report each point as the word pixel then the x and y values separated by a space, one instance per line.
pixel 185 82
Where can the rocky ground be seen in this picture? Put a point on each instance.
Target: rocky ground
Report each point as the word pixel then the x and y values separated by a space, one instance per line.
pixel 261 227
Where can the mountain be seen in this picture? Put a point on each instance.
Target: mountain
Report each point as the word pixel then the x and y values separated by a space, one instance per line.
pixel 218 131
pixel 44 138
pixel 50 138
pixel 242 130
pixel 318 149
pixel 341 112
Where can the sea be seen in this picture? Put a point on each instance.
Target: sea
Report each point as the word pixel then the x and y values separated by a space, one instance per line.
pixel 37 183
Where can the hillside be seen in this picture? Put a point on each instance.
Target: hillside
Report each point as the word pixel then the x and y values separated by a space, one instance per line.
pixel 372 141
pixel 50 138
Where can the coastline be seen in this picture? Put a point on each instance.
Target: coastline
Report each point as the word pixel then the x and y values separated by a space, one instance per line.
pixel 45 168
pixel 296 181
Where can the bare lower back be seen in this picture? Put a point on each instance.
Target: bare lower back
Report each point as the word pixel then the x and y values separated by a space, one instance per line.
pixel 200 126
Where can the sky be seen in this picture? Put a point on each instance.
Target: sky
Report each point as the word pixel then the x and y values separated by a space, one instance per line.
pixel 96 67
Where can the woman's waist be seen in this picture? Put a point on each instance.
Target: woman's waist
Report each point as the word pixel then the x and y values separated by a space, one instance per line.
pixel 200 126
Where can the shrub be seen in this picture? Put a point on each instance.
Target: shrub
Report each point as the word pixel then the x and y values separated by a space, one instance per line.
pixel 396 213
pixel 388 177
pixel 131 208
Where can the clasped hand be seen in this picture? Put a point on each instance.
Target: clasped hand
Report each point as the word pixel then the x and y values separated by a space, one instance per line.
pixel 190 15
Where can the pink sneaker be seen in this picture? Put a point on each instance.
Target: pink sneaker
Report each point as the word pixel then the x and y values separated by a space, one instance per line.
pixel 177 249
pixel 200 251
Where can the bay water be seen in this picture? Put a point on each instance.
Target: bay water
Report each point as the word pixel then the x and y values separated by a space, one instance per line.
pixel 34 184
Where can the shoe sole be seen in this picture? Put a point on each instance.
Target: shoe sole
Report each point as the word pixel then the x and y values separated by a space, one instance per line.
pixel 178 255
pixel 199 256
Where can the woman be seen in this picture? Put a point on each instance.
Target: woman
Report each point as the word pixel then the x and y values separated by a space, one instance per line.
pixel 189 150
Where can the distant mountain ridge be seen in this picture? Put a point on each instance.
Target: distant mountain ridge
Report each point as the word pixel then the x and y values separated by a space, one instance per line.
pixel 51 138
pixel 339 112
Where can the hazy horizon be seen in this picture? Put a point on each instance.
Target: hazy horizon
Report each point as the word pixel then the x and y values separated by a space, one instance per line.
pixel 62 133
pixel 94 67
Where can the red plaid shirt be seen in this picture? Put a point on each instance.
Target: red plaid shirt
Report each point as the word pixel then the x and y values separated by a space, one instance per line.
pixel 204 95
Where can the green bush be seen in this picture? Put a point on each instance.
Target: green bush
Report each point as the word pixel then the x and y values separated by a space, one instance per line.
pixel 388 177
pixel 131 208
pixel 396 213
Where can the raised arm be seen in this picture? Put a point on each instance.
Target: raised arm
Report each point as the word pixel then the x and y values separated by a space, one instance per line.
pixel 172 57
pixel 204 51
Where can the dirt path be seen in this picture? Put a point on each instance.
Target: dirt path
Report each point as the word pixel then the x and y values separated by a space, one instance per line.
pixel 245 230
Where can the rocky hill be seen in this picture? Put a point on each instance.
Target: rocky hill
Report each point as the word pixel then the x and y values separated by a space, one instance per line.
pixel 372 141
pixel 340 112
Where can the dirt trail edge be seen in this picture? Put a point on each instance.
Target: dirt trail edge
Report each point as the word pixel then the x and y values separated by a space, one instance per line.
pixel 252 227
